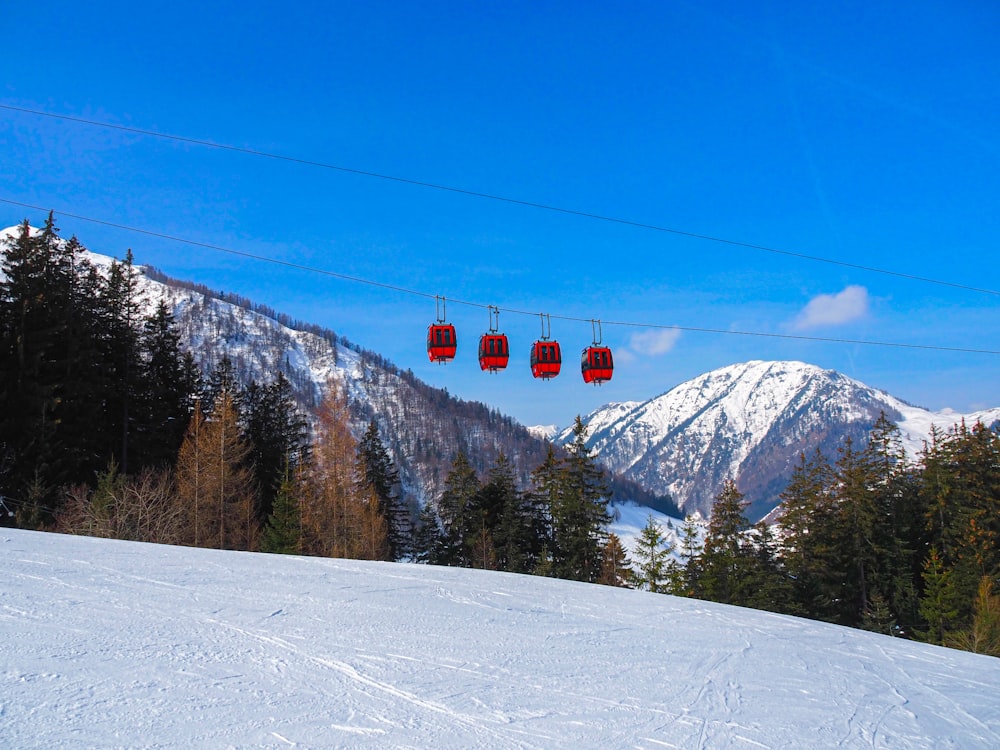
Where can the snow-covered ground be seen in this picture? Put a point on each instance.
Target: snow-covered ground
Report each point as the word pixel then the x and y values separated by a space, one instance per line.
pixel 117 644
pixel 630 519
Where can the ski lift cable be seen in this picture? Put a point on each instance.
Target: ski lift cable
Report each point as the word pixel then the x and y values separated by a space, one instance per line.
pixel 498 309
pixel 501 198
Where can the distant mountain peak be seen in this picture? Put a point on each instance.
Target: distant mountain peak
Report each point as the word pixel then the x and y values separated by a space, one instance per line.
pixel 748 422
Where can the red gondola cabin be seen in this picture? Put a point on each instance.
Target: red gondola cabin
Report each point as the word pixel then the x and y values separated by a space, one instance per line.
pixel 493 352
pixel 441 342
pixel 546 359
pixel 596 364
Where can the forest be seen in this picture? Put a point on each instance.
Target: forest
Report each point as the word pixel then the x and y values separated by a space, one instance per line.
pixel 109 428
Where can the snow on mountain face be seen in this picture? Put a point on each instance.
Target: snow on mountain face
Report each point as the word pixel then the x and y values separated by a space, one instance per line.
pixel 748 422
pixel 121 644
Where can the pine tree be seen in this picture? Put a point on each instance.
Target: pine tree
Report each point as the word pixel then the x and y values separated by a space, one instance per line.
pixel 428 539
pixel 725 559
pixel 456 511
pixel 812 549
pixel 122 303
pixel 938 605
pixel 858 516
pixel 46 340
pixel 380 477
pixel 283 532
pixel 683 578
pixel 223 379
pixel 579 513
pixel 171 383
pixel 278 435
pixel 768 586
pixel 652 558
pixel 896 528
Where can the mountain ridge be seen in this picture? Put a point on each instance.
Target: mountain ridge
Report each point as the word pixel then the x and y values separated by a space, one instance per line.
pixel 748 422
pixel 422 427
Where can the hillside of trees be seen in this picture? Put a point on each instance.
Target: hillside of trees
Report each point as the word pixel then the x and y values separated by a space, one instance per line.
pixel 868 541
pixel 109 428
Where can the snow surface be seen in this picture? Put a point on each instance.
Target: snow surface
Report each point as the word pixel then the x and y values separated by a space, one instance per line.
pixel 120 644
pixel 631 518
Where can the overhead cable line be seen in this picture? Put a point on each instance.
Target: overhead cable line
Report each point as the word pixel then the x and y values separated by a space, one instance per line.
pixel 501 198
pixel 417 293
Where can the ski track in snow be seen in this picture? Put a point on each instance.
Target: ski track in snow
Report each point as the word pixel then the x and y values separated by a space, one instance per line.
pixel 115 644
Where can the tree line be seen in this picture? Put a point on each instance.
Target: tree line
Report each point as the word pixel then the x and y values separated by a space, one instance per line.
pixel 868 541
pixel 108 427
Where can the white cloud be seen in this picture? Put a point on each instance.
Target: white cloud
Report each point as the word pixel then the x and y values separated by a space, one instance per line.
pixel 834 309
pixel 654 343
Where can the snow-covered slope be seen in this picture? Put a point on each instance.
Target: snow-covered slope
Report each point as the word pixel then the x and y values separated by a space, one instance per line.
pixel 747 422
pixel 119 644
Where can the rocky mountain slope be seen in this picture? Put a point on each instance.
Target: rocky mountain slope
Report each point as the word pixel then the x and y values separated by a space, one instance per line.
pixel 748 422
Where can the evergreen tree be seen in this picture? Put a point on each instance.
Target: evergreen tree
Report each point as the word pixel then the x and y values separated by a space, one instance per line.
pixel 380 476
pixel 652 558
pixel 428 541
pixel 767 586
pixel 813 550
pixel 43 315
pixel 683 578
pixel 725 559
pixel 223 379
pixel 541 498
pixel 938 605
pixel 171 382
pixel 579 513
pixel 283 532
pixel 456 511
pixel 858 516
pixel 121 304
pixel 896 528
pixel 278 435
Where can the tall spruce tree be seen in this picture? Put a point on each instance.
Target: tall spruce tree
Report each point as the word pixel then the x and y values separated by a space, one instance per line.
pixel 283 532
pixel 379 475
pixel 278 435
pixel 579 512
pixel 48 353
pixel 812 548
pixel 456 511
pixel 171 383
pixel 123 397
pixel 652 558
pixel 725 560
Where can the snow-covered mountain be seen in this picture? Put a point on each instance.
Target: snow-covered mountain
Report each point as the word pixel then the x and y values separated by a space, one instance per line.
pixel 747 422
pixel 121 644
pixel 423 427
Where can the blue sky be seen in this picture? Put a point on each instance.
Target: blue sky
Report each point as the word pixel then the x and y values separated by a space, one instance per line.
pixel 853 132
